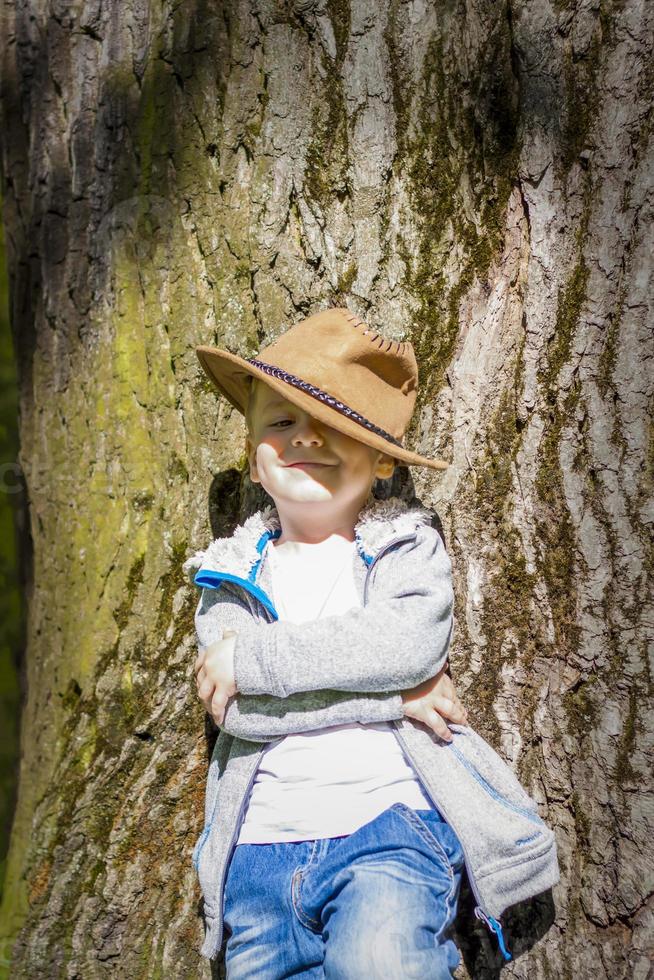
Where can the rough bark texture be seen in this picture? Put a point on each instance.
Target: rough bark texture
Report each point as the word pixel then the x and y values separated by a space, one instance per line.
pixel 12 515
pixel 474 176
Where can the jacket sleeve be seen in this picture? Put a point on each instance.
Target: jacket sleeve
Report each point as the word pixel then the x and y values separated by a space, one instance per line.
pixel 399 639
pixel 260 718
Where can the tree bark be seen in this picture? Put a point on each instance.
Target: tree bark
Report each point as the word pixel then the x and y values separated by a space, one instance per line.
pixel 472 176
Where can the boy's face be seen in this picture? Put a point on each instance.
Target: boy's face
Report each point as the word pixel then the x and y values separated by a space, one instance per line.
pixel 298 459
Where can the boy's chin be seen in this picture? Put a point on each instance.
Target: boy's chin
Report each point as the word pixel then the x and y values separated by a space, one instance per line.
pixel 303 495
pixel 301 491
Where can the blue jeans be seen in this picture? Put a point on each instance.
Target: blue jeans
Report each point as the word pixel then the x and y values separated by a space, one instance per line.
pixel 377 903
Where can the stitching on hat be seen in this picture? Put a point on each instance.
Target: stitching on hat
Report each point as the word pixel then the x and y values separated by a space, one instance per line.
pixel 323 396
pixel 399 347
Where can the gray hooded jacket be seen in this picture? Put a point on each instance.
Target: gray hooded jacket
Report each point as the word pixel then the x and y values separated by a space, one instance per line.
pixel 351 668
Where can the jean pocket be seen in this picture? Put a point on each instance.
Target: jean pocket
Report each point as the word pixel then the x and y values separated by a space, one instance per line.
pixel 437 833
pixel 445 834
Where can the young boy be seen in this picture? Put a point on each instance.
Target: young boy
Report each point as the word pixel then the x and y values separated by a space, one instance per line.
pixel 340 809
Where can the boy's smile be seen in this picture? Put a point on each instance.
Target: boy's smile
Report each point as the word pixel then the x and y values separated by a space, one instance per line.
pixel 318 477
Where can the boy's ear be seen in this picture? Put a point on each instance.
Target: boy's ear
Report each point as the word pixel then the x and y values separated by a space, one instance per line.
pixel 385 467
pixel 252 460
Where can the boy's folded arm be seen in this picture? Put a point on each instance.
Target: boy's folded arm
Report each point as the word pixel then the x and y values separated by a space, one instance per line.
pixel 260 718
pixel 395 642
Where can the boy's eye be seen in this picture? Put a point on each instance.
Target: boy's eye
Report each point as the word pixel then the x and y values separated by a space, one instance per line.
pixel 281 422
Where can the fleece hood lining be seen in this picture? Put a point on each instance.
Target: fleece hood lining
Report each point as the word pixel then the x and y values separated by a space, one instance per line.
pixel 379 522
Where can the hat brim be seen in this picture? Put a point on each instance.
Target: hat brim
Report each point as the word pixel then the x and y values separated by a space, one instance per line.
pixel 231 375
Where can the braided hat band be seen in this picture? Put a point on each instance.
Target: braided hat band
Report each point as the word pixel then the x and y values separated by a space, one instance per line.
pixel 337 370
pixel 323 397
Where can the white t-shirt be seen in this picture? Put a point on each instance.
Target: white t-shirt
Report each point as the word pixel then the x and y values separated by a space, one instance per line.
pixel 331 781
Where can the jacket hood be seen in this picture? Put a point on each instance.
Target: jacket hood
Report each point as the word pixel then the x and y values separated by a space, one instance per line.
pixel 379 522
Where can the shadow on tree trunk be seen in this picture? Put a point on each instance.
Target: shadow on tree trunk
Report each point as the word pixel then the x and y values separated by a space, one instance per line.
pixel 523 926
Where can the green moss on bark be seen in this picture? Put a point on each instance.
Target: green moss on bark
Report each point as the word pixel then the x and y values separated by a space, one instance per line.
pixel 327 160
pixel 340 15
pixel 346 279
pixel 507 621
pixel 582 820
pixel 624 771
pixel 400 76
pixel 134 579
pixel 460 162
pixel 99 742
pixel 558 559
pixel 581 708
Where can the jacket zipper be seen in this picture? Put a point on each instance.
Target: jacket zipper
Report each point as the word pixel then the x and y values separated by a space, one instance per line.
pixel 492 923
pixel 232 844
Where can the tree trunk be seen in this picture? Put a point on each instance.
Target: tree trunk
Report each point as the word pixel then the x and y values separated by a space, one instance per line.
pixel 474 177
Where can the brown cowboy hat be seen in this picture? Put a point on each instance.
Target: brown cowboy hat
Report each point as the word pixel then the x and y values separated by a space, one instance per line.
pixel 337 370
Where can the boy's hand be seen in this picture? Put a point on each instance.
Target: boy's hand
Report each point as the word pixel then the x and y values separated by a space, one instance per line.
pixel 433 701
pixel 214 672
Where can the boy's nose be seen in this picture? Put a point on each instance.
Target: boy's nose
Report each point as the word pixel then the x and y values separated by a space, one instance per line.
pixel 307 432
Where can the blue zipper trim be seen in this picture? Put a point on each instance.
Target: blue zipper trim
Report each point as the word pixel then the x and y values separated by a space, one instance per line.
pixel 213 580
pixel 209 579
pixel 261 544
pixel 495 927
pixel 528 840
pixel 368 559
pixel 200 844
pixel 529 814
